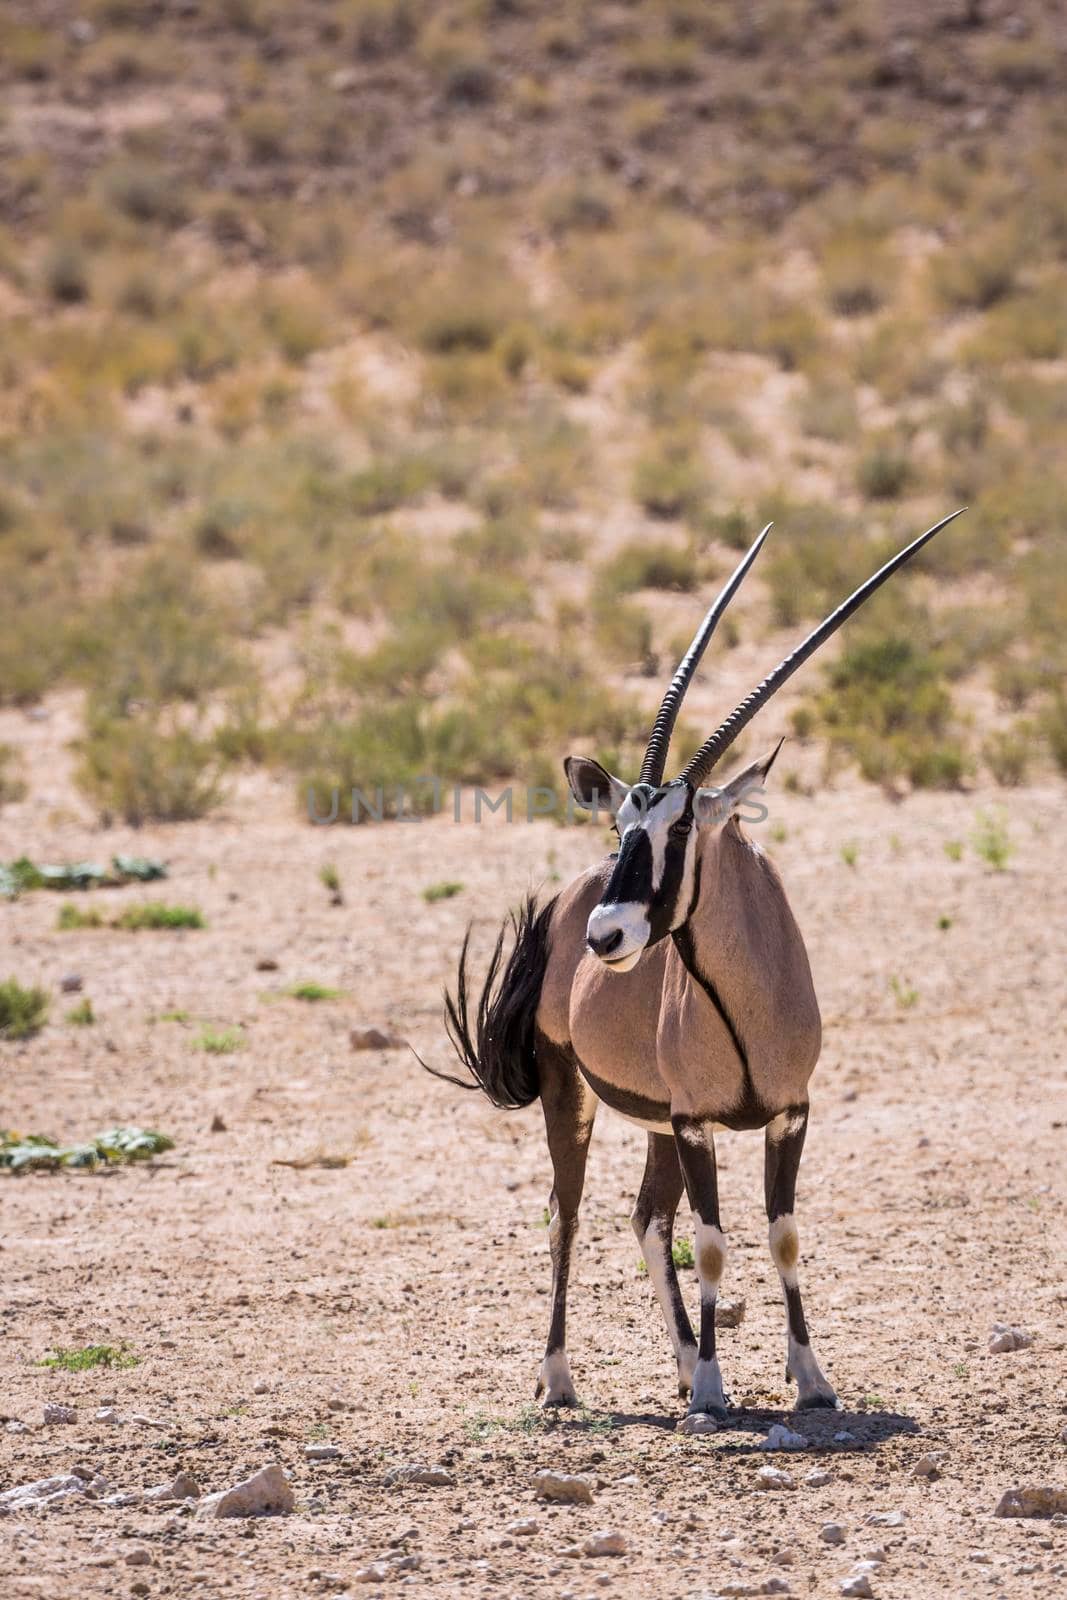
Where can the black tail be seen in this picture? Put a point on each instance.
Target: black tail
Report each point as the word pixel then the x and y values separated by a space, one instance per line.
pixel 497 1045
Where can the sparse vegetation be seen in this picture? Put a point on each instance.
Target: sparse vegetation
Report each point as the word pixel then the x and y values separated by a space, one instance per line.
pixel 904 993
pixel 35 1152
pixel 23 1011
pixel 82 1015
pixel 155 915
pixel 312 992
pixel 991 839
pixel 441 891
pixel 220 1041
pixel 89 1357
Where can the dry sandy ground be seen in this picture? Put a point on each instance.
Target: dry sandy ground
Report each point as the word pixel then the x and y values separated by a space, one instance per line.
pixel 397 1306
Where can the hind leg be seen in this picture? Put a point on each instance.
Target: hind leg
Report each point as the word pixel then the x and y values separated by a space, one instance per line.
pixel 653 1223
pixel 784 1145
pixel 569 1106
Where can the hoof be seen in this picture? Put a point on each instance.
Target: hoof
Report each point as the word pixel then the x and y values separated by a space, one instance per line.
pixel 565 1400
pixel 822 1400
pixel 717 1413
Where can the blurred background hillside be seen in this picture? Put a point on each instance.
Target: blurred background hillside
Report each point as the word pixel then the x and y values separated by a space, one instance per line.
pixel 387 382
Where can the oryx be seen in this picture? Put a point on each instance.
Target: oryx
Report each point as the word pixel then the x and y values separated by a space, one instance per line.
pixel 671 983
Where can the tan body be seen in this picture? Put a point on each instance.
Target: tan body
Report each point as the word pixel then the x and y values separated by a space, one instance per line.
pixel 653 1035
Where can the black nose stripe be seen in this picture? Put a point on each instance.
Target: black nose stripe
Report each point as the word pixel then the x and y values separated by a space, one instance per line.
pixel 603 944
pixel 632 878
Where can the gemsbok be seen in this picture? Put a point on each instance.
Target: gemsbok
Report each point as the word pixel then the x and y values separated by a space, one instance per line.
pixel 671 983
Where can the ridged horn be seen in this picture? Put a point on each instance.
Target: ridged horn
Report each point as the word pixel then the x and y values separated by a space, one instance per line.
pixel 660 738
pixel 714 748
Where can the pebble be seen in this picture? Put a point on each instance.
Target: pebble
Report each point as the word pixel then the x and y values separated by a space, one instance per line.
pixel 1036 1501
pixel 261 1386
pixel 375 1039
pixel 108 1414
pixel 818 1477
pixel 14 1426
pixel 138 1557
pixel 563 1487
pixel 775 1586
pixel 832 1533
pixel 782 1438
pixel 698 1422
pixel 1006 1337
pixel 981 1556
pixel 842 1436
pixel 71 982
pixel 773 1478
pixel 859 1585
pixel 430 1477
pixel 521 1527
pixel 267 1492
pixel 322 1452
pixel 929 1465
pixel 884 1519
pixel 59 1413
pixel 606 1542
pixel 730 1313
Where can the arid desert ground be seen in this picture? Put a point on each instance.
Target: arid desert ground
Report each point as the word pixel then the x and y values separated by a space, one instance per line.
pixel 395 1306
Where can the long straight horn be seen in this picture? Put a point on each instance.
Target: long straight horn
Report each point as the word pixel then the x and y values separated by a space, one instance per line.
pixel 656 754
pixel 724 736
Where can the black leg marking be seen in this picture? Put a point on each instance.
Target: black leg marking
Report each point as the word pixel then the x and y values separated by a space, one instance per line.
pixel 696 1152
pixel 653 1222
pixel 784 1146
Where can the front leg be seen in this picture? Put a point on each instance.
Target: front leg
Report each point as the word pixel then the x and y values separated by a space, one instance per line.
pixel 696 1152
pixel 784 1145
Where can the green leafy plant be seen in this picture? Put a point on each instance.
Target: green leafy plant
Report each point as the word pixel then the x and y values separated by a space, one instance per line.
pixel 33 1152
pixel 220 1041
pixel 850 853
pixel 23 1011
pixel 954 849
pixel 441 891
pixel 904 993
pixel 155 915
pixel 312 991
pixel 89 1357
pixel 72 917
pixel 82 1015
pixel 992 840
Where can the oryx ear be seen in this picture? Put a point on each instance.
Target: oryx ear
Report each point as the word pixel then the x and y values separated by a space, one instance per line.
pixel 592 787
pixel 718 805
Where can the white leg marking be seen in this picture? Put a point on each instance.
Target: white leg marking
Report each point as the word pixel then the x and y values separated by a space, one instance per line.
pixel 707 1388
pixel 707 1392
pixel 555 1383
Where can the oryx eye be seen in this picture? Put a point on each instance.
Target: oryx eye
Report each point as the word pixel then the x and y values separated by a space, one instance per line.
pixel 680 828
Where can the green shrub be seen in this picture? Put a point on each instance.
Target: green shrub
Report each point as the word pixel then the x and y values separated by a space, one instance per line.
pixel 669 484
pixel 219 1041
pixel 1007 755
pixel 441 891
pixel 65 272
pixel 647 564
pixel 884 471
pixel 82 1015
pixel 23 1012
pixel 154 915
pixel 992 840
pixel 976 274
pixel 131 769
pixel 72 918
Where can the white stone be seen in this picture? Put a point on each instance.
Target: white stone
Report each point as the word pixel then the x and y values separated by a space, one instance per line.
pixel 605 1542
pixel 884 1519
pixel 858 1586
pixel 1006 1337
pixel 818 1477
pixel 773 1478
pixel 267 1492
pixel 58 1413
pixel 429 1477
pixel 698 1422
pixel 322 1452
pixel 567 1488
pixel 522 1527
pixel 782 1438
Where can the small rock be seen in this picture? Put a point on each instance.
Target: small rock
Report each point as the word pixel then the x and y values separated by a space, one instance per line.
pixel 429 1477
pixel 1063 1434
pixel 730 1313
pixel 842 1436
pixel 266 964
pixel 981 1556
pixel 782 1438
pixel 138 1557
pixel 1005 1337
pixel 266 1493
pixel 108 1414
pixel 58 1413
pixel 859 1586
pixel 15 1426
pixel 147 1422
pixel 784 1557
pixel 775 1585
pixel 71 982
pixel 929 1465
pixel 884 1519
pixel 140 1587
pixel 818 1477
pixel 184 1487
pixel 698 1422
pixel 261 1386
pixel 1036 1501
pixel 375 1039
pixel 773 1478
pixel 563 1487
pixel 322 1452
pixel 344 78
pixel 217 1125
pixel 605 1543
pixel 47 1491
pixel 522 1527
pixel 832 1533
